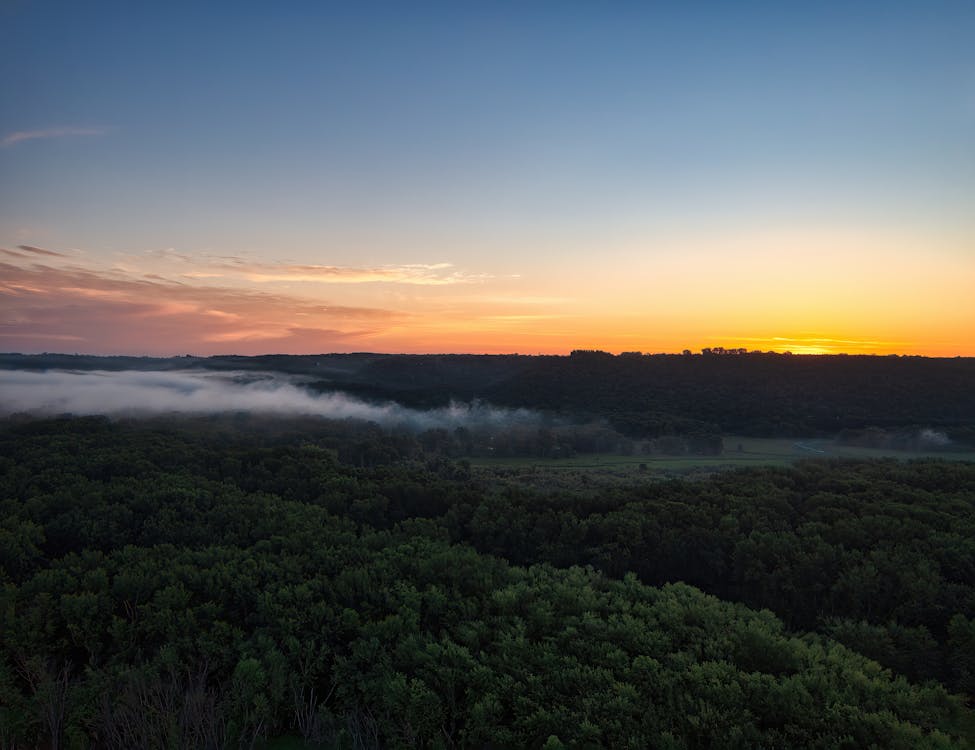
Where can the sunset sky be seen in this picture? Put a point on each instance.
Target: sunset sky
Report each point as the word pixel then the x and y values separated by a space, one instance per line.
pixel 529 177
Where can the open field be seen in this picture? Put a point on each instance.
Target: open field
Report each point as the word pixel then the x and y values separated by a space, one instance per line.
pixel 738 452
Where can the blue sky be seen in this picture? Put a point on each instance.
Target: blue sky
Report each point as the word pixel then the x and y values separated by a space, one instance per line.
pixel 511 140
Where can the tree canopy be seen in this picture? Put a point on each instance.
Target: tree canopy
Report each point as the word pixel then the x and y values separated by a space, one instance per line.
pixel 210 588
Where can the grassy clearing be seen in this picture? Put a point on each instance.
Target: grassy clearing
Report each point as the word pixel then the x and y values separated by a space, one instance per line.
pixel 738 452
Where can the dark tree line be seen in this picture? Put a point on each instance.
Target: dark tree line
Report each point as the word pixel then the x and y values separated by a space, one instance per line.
pixel 643 396
pixel 754 394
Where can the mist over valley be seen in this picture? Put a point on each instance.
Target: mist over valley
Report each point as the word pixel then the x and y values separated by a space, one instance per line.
pixel 193 392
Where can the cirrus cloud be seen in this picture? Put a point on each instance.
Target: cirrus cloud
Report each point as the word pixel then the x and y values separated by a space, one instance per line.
pixel 20 136
pixel 424 274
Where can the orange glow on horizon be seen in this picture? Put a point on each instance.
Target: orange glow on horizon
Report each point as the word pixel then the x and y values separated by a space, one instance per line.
pixel 161 305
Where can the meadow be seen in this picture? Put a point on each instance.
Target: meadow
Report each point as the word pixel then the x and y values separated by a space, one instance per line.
pixel 739 451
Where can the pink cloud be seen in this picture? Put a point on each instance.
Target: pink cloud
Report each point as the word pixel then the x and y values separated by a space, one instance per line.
pixel 111 312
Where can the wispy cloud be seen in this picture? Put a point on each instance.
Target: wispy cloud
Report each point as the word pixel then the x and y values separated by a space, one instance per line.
pixel 19 136
pixel 428 274
pixel 112 311
pixel 40 251
pixel 207 266
pixel 29 251
pixel 38 336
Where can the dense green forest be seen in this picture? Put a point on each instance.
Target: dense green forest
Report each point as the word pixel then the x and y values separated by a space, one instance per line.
pixel 218 581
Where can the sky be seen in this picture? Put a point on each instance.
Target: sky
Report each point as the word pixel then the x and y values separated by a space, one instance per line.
pixel 532 177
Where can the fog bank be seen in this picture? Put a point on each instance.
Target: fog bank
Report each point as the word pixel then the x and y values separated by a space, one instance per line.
pixel 134 392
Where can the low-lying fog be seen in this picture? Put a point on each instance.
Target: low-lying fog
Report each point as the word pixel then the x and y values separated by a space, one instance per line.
pixel 133 392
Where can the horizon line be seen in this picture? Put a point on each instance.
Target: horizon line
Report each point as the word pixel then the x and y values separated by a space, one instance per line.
pixel 706 352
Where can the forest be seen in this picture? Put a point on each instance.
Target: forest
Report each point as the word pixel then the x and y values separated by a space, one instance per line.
pixel 232 582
